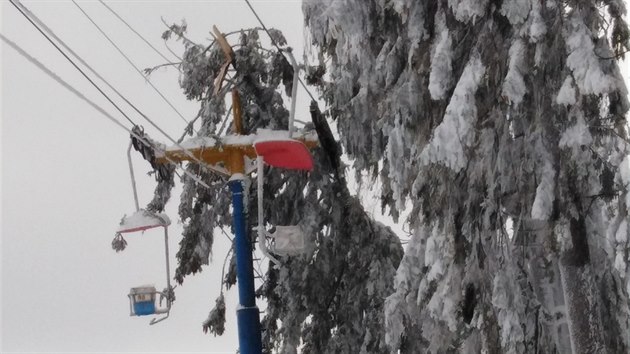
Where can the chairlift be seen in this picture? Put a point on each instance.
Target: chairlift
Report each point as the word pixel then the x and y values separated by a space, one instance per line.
pixel 142 299
pixel 287 240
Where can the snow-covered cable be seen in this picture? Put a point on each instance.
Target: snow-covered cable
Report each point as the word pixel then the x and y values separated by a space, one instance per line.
pixel 22 9
pixel 63 83
pixel 186 151
pixel 277 46
pixel 130 62
pixel 136 32
pixel 31 17
pixel 78 57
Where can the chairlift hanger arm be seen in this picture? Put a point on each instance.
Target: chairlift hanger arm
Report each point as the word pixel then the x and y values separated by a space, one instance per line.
pixel 154 320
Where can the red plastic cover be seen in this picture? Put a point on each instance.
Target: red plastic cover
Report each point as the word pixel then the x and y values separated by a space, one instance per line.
pixel 289 154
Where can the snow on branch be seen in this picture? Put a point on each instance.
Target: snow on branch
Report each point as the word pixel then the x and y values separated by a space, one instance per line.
pixel 467 10
pixel 588 74
pixel 514 86
pixel 516 11
pixel 543 202
pixel 566 95
pixel 456 130
pixel 441 61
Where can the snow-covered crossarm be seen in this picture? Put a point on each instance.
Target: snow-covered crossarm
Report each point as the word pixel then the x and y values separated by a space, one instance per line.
pixel 194 143
pixel 213 150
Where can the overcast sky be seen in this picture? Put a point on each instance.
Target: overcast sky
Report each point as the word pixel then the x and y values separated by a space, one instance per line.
pixel 65 181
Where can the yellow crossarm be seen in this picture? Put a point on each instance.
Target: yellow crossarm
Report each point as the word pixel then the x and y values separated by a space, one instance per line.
pixel 230 156
pixel 209 155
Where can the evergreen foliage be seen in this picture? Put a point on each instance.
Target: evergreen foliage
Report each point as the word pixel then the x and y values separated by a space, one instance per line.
pixel 503 124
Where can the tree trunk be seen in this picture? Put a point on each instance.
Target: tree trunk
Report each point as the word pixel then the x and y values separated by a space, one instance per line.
pixel 581 299
pixel 545 277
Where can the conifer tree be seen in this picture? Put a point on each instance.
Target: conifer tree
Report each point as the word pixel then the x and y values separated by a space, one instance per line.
pixel 502 124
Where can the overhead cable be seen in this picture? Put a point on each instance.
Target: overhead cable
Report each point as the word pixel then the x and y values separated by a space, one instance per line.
pixel 130 61
pixel 186 151
pixel 76 56
pixel 69 87
pixel 63 83
pixel 24 11
pixel 19 8
pixel 136 32
pixel 277 46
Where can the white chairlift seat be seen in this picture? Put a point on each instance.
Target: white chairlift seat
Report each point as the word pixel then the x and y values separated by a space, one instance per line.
pixel 143 220
pixel 288 240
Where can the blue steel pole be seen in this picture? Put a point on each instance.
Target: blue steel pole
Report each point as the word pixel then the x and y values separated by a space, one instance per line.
pixel 247 315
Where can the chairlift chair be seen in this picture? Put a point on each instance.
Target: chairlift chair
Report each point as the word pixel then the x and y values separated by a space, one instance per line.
pixel 288 240
pixel 142 299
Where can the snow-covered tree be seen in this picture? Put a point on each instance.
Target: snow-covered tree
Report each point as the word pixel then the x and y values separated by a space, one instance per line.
pixel 502 123
pixel 330 299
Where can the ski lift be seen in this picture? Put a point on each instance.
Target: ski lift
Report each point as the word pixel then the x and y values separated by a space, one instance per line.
pixel 288 240
pixel 289 154
pixel 142 299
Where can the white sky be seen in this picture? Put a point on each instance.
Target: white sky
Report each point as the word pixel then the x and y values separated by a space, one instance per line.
pixel 65 181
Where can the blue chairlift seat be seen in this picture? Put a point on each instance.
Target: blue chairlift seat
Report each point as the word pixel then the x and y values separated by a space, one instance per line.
pixel 143 300
pixel 144 308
